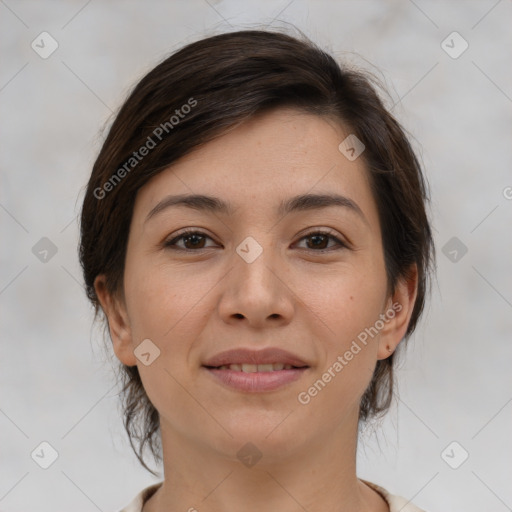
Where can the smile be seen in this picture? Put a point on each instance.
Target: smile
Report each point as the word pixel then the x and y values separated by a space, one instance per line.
pixel 254 378
pixel 253 368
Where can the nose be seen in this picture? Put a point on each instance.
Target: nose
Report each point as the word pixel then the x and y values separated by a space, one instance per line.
pixel 256 291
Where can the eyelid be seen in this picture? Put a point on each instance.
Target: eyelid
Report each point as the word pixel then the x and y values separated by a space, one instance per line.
pixel 341 242
pixel 168 242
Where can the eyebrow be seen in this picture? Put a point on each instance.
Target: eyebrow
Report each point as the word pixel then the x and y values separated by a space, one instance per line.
pixel 303 202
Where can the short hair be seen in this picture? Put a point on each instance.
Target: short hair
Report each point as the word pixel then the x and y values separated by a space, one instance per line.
pixel 197 94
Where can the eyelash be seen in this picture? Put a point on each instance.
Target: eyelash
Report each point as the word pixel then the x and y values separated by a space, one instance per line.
pixel 189 232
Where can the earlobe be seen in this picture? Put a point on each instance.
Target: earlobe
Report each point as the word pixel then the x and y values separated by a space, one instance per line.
pixel 118 324
pixel 399 311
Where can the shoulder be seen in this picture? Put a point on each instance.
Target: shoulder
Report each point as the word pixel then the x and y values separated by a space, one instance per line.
pixel 136 504
pixel 396 503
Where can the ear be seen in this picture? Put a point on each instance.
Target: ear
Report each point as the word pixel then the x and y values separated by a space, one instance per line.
pixel 118 322
pixel 398 313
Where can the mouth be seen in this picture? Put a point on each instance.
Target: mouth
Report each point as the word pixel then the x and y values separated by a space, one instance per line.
pixel 255 378
pixel 251 361
pixel 253 371
pixel 256 368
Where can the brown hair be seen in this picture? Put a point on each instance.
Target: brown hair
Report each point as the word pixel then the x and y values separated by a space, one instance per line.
pixel 224 80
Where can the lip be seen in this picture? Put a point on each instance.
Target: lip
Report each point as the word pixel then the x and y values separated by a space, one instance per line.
pixel 247 356
pixel 256 382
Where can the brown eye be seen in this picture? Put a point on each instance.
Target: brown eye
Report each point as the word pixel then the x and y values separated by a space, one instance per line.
pixel 319 240
pixel 192 240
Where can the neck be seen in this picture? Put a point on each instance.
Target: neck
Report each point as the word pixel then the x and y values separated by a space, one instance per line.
pixel 319 476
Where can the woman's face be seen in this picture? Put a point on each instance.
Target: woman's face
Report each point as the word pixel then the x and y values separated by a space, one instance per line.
pixel 259 275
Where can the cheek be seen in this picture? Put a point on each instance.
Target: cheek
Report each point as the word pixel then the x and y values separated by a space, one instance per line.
pixel 348 306
pixel 149 299
pixel 347 302
pixel 168 307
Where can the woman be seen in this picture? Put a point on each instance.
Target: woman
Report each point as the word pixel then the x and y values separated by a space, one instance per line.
pixel 254 230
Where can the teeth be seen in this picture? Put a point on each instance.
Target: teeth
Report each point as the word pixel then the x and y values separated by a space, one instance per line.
pixel 249 368
pixel 252 368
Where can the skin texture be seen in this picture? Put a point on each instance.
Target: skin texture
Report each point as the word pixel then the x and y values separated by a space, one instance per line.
pixel 193 305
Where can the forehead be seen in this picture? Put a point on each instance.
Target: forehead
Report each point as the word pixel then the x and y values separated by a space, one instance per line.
pixel 264 161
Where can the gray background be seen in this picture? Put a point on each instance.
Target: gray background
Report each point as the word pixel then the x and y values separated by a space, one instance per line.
pixel 56 382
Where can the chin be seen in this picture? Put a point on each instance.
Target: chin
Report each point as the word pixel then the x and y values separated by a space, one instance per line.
pixel 255 437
